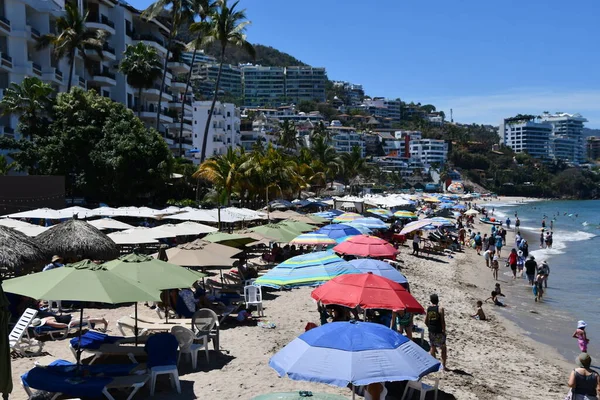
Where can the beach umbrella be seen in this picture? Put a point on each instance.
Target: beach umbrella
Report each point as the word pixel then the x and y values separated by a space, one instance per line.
pixel 363 229
pixel 313 239
pixel 335 231
pixel 416 226
pixel 229 239
pixel 370 222
pixel 441 221
pixel 445 205
pixel 187 228
pixel 41 213
pixel 6 384
pixel 346 217
pixel 18 253
pixel 343 239
pixel 276 232
pixel 366 246
pixel 404 214
pixel 284 214
pixel 353 353
pixel 382 212
pixel 328 216
pixel 76 238
pixel 137 235
pixel 306 270
pixel 109 223
pixel 380 268
pixel 459 207
pixel 202 253
pixel 297 226
pixel 431 200
pixel 367 291
pixel 316 219
pixel 472 211
pixel 309 219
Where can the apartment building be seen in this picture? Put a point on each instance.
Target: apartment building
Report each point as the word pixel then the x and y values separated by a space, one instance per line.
pixel 353 93
pixel 224 131
pixel 525 135
pixel 305 83
pixel 344 138
pixel 200 58
pixel 593 148
pixel 567 142
pixel 204 76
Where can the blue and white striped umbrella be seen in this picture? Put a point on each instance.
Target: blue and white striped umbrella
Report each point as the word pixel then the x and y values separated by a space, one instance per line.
pixel 370 222
pixel 363 229
pixel 335 231
pixel 357 353
pixel 378 267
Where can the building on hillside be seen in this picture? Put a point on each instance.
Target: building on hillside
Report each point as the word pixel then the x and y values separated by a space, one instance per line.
pixel 435 119
pixel 353 93
pixel 204 76
pixel 262 130
pixel 284 113
pixel 199 58
pixel 525 135
pixel 263 85
pixel 305 83
pixel 344 138
pixel 429 151
pixel 567 142
pixel 224 131
pixel 593 148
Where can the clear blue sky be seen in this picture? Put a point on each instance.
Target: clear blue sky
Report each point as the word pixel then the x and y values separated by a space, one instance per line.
pixel 485 59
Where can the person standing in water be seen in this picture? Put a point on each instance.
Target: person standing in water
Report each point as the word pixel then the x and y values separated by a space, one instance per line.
pixel 581 336
pixel 542 241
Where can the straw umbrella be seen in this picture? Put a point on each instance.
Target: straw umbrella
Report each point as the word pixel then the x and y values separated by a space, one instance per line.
pixel 18 252
pixel 76 239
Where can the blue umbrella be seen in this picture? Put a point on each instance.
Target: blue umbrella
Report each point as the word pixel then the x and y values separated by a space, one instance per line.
pixel 459 207
pixel 335 231
pixel 325 214
pixel 445 205
pixel 370 222
pixel 380 268
pixel 363 229
pixel 357 353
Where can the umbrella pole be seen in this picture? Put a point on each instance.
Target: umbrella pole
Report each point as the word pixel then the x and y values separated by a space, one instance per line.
pixel 136 322
pixel 79 350
pixel 353 393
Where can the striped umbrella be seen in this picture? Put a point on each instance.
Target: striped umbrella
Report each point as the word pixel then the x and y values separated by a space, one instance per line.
pixel 381 212
pixel 313 239
pixel 306 270
pixel 338 230
pixel 370 222
pixel 405 214
pixel 361 228
pixel 347 217
pixel 416 226
pixel 431 200
pixel 441 221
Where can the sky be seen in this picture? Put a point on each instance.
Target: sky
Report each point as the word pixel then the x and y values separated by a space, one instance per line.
pixel 486 60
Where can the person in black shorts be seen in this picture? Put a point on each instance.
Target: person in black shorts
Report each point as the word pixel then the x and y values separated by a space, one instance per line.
pixel 436 324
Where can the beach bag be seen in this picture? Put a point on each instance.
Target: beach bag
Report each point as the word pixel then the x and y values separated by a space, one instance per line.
pixel 569 395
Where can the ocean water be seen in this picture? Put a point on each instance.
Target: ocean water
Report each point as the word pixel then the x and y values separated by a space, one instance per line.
pixel 574 284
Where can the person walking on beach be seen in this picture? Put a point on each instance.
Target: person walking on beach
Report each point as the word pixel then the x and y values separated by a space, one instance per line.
pixel 517 223
pixel 507 222
pixel 583 381
pixel 542 239
pixel 544 223
pixel 478 243
pixel 488 255
pixel 520 263
pixel 486 245
pixel 499 244
pixel 545 271
pixel 531 269
pixel 524 246
pixel 416 241
pixel 513 258
pixel 436 324
pixel 581 336
pixel 518 238
pixel 495 267
pixel 503 235
pixel 548 240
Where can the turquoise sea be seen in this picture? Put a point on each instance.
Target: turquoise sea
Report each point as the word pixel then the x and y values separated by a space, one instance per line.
pixel 574 285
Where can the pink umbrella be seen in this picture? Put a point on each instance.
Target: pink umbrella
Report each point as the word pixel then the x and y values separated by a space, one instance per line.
pixel 366 246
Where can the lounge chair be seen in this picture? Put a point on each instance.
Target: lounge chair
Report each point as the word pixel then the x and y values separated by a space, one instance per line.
pixel 19 338
pixel 59 333
pixel 65 378
pixel 144 328
pixel 100 345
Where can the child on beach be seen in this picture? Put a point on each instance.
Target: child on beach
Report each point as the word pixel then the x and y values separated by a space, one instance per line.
pixel 494 298
pixel 581 336
pixel 479 314
pixel 495 267
pixel 498 290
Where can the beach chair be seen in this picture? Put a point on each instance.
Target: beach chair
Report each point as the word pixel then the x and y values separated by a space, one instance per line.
pixel 101 345
pixel 59 333
pixel 186 337
pixel 253 297
pixel 144 328
pixel 173 321
pixel 422 388
pixel 162 359
pixel 19 338
pixel 205 323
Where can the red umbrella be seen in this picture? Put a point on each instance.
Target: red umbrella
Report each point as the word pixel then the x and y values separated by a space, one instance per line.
pixel 367 291
pixel 366 246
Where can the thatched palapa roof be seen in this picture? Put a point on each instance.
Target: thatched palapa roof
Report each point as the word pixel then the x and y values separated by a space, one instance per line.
pixel 18 253
pixel 76 238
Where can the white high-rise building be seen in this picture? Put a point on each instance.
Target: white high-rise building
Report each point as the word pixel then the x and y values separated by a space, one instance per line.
pixel 524 135
pixel 224 131
pixel 567 141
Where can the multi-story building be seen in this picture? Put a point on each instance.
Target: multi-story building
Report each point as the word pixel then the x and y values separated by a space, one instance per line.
pixel 429 151
pixel 524 135
pixel 205 76
pixel 567 140
pixel 305 83
pixel 263 85
pixel 199 58
pixel 344 138
pixel 593 147
pixel 224 130
pixel 353 93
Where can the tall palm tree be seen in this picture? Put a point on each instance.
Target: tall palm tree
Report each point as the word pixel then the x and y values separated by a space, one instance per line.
pixel 325 157
pixel 226 27
pixel 287 136
pixel 179 12
pixel 142 65
pixel 353 166
pixel 31 100
pixel 201 9
pixel 73 37
pixel 223 171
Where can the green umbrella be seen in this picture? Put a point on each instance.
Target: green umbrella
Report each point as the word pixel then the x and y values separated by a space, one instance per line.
pixel 276 232
pixel 152 272
pixel 318 220
pixel 6 384
pixel 301 227
pixel 229 239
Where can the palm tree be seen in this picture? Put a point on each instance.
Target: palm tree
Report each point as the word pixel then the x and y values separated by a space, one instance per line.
pixel 5 166
pixel 325 157
pixel 179 11
pixel 141 64
pixel 201 9
pixel 353 166
pixel 73 37
pixel 223 171
pixel 226 27
pixel 31 100
pixel 287 136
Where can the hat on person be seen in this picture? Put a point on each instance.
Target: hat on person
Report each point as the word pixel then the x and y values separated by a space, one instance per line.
pixel 36 322
pixel 56 258
pixel 544 262
pixel 520 253
pixel 581 324
pixel 584 360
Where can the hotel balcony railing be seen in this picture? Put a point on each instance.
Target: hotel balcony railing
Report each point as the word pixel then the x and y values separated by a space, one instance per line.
pixel 108 48
pixel 5 23
pixel 101 19
pixel 37 68
pixel 150 38
pixel 35 33
pixel 104 72
pixel 82 82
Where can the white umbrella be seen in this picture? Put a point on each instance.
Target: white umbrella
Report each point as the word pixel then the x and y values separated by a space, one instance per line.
pixel 196 215
pixel 132 236
pixel 32 230
pixel 109 223
pixel 472 212
pixel 46 213
pixel 183 229
pixel 15 223
pixel 69 212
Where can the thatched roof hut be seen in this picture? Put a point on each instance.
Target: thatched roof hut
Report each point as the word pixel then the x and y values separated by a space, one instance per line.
pixel 75 238
pixel 19 254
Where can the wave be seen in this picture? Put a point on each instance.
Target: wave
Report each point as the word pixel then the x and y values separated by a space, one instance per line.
pixel 559 242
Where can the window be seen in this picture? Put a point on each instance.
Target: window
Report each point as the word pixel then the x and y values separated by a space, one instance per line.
pixel 195 122
pixel 228 127
pixel 228 114
pixel 195 109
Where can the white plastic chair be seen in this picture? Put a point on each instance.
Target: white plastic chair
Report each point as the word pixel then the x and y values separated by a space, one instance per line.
pixel 170 370
pixel 253 297
pixel 186 337
pixel 422 388
pixel 205 323
pixel 19 339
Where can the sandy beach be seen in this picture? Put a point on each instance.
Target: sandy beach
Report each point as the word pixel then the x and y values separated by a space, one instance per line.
pixel 486 359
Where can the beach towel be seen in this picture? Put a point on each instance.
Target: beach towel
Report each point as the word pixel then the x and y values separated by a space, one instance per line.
pixel 93 340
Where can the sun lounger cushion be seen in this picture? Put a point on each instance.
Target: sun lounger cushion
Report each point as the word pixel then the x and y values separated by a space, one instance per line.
pixel 65 377
pixel 93 340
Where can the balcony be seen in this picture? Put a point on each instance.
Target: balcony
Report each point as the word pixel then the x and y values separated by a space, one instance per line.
pixel 104 77
pixel 100 21
pixel 34 34
pixel 188 109
pixel 153 93
pixel 152 41
pixel 149 114
pixel 80 81
pixel 5 25
pixel 6 62
pixel 178 67
pixel 53 75
pixel 36 68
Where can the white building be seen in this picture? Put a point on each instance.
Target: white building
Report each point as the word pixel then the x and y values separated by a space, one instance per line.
pixel 429 151
pixel 344 138
pixel 566 142
pixel 524 135
pixel 224 131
